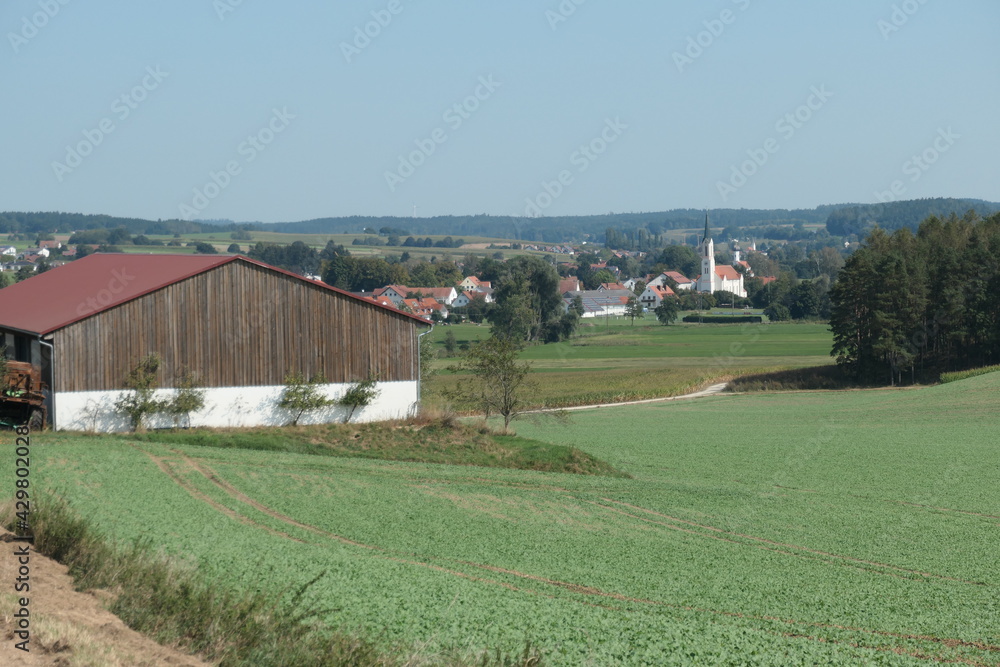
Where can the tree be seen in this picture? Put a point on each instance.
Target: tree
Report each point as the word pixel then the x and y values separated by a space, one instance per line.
pixel 233 248
pixel 499 380
pixel 450 344
pixel 668 310
pixel 681 258
pixel 804 301
pixel 358 395
pixel 528 303
pixel 633 309
pixel 301 396
pixel 138 401
pixel 205 248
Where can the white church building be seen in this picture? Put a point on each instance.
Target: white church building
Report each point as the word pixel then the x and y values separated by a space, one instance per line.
pixel 715 278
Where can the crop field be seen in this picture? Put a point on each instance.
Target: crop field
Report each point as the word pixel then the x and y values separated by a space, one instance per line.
pixel 616 361
pixel 801 529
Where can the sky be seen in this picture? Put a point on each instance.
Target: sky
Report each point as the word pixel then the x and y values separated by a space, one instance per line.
pixel 264 111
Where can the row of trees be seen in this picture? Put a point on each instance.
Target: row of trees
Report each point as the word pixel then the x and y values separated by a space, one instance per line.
pixel 907 306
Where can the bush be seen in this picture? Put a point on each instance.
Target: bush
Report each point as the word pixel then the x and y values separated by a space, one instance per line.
pixel 723 319
pixel 965 375
pixel 301 396
pixel 777 312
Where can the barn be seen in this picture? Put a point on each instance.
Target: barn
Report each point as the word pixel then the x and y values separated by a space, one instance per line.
pixel 240 326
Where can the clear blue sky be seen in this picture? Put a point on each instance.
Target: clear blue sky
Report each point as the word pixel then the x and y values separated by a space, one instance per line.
pixel 665 123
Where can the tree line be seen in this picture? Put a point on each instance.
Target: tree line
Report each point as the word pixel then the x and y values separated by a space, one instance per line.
pixel 908 306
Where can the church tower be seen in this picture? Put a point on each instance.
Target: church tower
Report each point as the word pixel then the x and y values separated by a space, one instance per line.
pixel 706 282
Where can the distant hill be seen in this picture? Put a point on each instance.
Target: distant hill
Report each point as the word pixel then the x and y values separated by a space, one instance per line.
pixel 53 223
pixel 840 220
pixel 860 218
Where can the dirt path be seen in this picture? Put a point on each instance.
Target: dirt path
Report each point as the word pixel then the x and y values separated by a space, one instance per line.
pixel 708 391
pixel 69 628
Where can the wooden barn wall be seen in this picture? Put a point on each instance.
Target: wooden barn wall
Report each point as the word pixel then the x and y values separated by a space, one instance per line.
pixel 238 325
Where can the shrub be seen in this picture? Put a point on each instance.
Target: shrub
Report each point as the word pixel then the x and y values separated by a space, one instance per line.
pixel 301 396
pixel 358 395
pixel 138 401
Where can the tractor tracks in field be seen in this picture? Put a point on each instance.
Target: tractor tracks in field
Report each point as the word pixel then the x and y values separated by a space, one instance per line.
pixel 712 532
pixel 583 594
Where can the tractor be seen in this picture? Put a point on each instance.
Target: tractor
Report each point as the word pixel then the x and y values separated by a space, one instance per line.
pixel 22 398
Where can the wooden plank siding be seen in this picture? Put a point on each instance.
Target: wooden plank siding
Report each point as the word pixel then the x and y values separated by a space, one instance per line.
pixel 238 324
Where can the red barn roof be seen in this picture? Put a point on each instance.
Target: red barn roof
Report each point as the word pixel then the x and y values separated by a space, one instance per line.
pixel 73 292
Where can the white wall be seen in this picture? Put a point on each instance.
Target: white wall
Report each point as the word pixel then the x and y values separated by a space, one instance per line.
pixel 231 406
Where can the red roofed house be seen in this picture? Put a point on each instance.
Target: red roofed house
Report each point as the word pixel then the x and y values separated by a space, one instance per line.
pixel 426 307
pixel 398 293
pixel 239 325
pixel 569 285
pixel 683 282
pixel 715 278
pixel 474 283
pixel 654 295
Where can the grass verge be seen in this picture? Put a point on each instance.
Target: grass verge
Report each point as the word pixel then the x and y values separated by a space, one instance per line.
pixel 177 606
pixel 440 440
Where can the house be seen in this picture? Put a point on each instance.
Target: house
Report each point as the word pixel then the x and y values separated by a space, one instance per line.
pixel 604 287
pixel 465 298
pixel 425 307
pixel 8 250
pixel 20 264
pixel 683 282
pixel 715 278
pixel 569 285
pixel 653 296
pixel 398 293
pixel 50 245
pixel 239 325
pixel 474 283
pixel 37 252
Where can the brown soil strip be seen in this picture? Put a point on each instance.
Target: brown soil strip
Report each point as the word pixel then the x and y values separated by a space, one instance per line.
pixel 70 626
pixel 796 547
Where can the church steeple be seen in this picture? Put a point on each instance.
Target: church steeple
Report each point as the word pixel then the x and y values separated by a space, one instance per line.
pixel 707 279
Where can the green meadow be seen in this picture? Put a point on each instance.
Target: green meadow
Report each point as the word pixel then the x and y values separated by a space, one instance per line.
pixel 614 360
pixel 836 528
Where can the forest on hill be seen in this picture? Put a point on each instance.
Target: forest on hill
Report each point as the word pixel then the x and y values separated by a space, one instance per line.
pixel 840 220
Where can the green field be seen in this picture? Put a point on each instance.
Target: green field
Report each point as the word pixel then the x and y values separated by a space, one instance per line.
pixel 613 360
pixel 800 529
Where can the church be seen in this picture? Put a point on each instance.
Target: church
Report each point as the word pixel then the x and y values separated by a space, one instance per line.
pixel 715 278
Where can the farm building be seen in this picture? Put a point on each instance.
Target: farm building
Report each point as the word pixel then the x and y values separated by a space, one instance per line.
pixel 240 326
